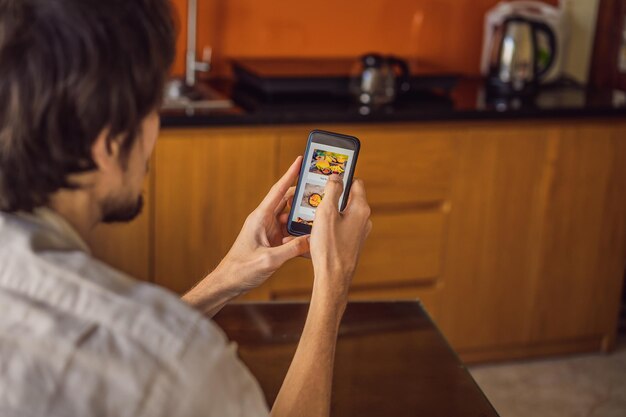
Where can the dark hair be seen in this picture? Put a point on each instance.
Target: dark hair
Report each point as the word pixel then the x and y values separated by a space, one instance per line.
pixel 68 70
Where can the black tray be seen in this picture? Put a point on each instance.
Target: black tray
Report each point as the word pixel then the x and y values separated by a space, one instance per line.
pixel 280 76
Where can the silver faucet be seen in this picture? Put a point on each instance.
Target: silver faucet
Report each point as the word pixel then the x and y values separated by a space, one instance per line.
pixel 192 65
pixel 185 94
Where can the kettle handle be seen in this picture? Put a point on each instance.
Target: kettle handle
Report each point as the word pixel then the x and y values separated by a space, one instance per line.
pixel 533 7
pixel 405 72
pixel 542 27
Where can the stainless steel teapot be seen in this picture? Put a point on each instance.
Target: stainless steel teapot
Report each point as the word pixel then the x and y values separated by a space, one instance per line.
pixel 377 79
pixel 522 52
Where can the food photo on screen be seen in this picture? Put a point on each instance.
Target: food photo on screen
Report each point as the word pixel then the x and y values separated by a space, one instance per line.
pixel 327 163
pixel 312 196
pixel 308 222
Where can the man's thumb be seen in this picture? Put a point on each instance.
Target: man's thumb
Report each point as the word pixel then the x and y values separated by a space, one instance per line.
pixel 292 247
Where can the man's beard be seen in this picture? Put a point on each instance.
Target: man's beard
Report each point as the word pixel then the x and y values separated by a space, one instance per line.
pixel 121 211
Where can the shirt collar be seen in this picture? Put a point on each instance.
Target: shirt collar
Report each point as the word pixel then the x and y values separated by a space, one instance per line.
pixel 54 221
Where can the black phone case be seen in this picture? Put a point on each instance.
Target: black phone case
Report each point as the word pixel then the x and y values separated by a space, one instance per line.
pixel 357 144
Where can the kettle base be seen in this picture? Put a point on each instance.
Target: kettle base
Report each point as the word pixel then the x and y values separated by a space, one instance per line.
pixel 495 86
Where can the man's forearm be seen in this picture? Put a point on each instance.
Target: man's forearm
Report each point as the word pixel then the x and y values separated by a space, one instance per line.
pixel 306 390
pixel 212 293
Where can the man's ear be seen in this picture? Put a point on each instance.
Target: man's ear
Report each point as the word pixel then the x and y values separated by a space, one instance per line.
pixel 105 152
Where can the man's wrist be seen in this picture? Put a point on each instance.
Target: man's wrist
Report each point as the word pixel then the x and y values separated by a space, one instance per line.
pixel 214 291
pixel 327 301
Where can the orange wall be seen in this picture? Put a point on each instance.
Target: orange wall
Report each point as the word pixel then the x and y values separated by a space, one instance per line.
pixel 445 32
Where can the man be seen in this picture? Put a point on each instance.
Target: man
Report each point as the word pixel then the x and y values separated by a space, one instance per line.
pixel 80 85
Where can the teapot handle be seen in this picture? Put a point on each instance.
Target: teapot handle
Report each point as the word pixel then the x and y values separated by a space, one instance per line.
pixel 405 72
pixel 542 27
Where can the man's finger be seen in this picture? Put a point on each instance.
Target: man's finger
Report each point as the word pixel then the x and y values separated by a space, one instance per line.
pixel 332 192
pixel 357 194
pixel 293 248
pixel 283 219
pixel 278 190
pixel 287 239
pixel 286 201
pixel 291 192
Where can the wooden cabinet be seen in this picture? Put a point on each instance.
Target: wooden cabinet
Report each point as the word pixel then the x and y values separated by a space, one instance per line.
pixel 207 182
pixel 402 166
pixel 512 234
pixel 535 252
pixel 492 234
pixel 582 246
pixel 404 249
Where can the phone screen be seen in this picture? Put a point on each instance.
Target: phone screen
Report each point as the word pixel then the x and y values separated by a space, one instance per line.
pixel 326 154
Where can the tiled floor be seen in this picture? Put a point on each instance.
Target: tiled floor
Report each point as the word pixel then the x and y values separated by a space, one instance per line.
pixel 577 386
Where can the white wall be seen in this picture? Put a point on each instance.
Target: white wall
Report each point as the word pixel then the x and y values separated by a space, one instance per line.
pixel 582 19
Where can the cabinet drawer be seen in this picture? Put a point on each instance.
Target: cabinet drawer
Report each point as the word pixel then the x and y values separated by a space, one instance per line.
pixel 400 168
pixel 404 249
pixel 405 168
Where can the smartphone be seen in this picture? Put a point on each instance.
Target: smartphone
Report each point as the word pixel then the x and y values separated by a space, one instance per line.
pixel 326 153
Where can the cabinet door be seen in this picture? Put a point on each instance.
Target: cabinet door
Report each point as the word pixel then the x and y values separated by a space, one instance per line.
pixel 537 239
pixel 207 182
pixel 404 167
pixel 402 259
pixel 583 240
pixel 491 253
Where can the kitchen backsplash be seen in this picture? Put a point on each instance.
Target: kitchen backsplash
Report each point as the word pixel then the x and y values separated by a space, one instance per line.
pixel 447 33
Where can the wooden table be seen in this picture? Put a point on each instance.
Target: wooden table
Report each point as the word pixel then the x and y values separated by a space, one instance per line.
pixel 391 359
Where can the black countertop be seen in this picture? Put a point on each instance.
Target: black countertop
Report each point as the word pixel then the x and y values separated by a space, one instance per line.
pixel 467 101
pixel 391 360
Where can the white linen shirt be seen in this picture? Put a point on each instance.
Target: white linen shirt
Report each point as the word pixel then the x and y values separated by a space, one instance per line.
pixel 78 338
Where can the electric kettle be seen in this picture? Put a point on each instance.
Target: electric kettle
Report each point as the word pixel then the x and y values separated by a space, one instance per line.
pixel 522 52
pixel 377 79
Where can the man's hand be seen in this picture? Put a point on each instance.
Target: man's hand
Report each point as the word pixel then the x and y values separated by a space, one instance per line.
pixel 337 239
pixel 262 246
